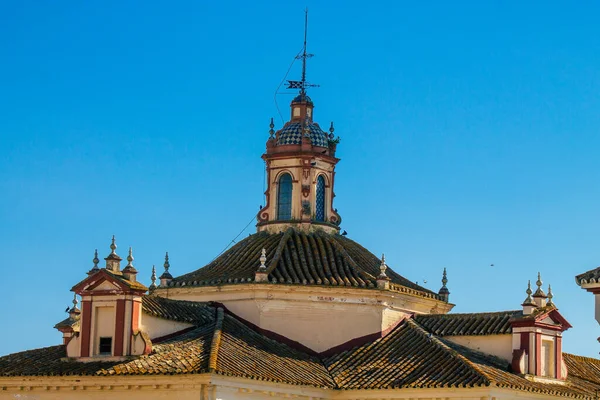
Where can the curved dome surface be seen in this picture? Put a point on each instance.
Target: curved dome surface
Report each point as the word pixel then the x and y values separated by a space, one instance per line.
pixel 302 97
pixel 297 257
pixel 291 133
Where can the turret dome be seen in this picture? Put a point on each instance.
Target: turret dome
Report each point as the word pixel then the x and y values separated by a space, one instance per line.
pixel 292 132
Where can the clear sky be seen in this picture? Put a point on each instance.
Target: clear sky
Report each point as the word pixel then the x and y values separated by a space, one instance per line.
pixel 469 137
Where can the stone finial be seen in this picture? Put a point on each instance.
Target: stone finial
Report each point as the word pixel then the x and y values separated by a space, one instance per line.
pixel 113 261
pixel 271 130
pixel 74 310
pixel 263 260
pixel 130 257
pixel 129 272
pixel 261 274
pixel 528 305
pixel 539 297
pixel 113 245
pixel 166 276
pixel 167 265
pixel 383 281
pixel 550 297
pixel 95 261
pixel 444 292
pixel 331 130
pixel 153 279
pixel 382 267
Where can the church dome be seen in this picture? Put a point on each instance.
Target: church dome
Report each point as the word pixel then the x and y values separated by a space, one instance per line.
pixel 298 257
pixel 291 133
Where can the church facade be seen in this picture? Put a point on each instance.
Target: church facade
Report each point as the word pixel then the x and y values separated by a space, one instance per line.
pixel 269 317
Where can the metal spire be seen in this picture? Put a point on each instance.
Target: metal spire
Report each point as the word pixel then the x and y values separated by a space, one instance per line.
pixel 302 84
pixel 304 55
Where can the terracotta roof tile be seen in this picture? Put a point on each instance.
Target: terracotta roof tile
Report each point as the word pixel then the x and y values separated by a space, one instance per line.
pixel 46 361
pixel 132 284
pixel 492 323
pixel 408 357
pixel 178 310
pixel 185 353
pixel 585 368
pixel 497 371
pixel 591 276
pixel 297 257
pixel 246 353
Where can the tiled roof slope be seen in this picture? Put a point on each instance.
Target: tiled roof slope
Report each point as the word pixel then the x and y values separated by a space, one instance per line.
pixel 187 353
pixel 228 347
pixel 585 368
pixel 591 276
pixel 118 275
pixel 497 372
pixel 297 257
pixel 408 357
pixel 178 310
pixel 244 352
pixel 220 344
pixel 493 323
pixel 46 362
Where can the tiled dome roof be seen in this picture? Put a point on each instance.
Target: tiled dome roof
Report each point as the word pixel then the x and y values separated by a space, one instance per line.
pixel 291 133
pixel 302 97
pixel 297 257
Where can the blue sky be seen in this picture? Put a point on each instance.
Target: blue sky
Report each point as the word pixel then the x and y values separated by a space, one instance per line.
pixel 470 135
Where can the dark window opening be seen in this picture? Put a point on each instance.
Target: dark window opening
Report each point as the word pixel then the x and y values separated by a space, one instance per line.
pixel 284 198
pixel 105 345
pixel 320 199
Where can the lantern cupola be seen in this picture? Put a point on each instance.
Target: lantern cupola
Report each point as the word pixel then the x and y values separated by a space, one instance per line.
pixel 300 162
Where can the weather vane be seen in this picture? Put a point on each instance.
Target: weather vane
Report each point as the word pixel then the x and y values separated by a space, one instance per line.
pixel 302 84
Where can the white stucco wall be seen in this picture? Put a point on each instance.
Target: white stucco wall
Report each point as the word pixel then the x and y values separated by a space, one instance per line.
pixel 158 327
pixel 497 345
pixel 317 317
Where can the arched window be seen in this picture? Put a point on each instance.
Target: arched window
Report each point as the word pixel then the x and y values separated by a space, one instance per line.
pixel 284 198
pixel 320 199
